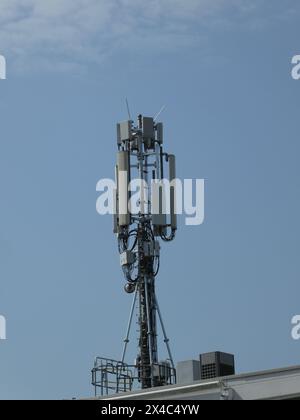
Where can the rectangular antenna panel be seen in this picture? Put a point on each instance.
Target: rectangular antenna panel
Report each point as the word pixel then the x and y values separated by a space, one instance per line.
pixel 124 131
pixel 159 216
pixel 172 178
pixel 160 132
pixel 148 128
pixel 123 184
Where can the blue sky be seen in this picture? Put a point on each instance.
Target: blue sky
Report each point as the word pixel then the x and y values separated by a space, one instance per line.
pixel 223 68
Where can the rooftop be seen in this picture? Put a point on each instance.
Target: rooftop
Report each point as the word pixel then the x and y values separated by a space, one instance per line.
pixel 278 384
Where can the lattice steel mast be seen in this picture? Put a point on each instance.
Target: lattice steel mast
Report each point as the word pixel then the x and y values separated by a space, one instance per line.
pixel 140 151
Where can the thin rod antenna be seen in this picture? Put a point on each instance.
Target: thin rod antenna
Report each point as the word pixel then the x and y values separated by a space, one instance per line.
pixel 128 109
pixel 126 340
pixel 160 112
pixel 166 339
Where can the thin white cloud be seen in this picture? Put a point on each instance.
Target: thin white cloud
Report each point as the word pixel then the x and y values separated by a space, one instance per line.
pixel 70 32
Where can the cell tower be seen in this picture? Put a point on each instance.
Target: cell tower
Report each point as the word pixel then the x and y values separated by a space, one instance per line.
pixel 140 151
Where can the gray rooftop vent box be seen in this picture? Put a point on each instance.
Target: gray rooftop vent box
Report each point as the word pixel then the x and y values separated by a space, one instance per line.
pixel 215 365
pixel 188 372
